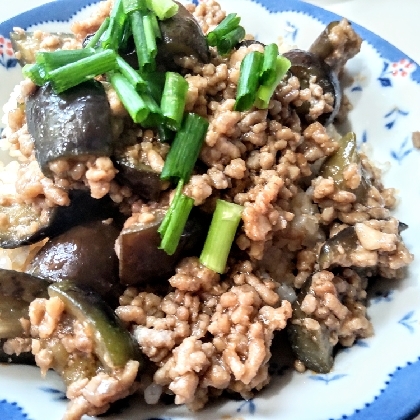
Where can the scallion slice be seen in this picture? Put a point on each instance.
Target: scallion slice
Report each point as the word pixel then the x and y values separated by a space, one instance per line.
pixel 150 32
pixel 221 234
pixel 35 72
pixel 248 80
pixel 130 6
pixel 269 68
pixel 131 75
pixel 164 9
pixel 173 99
pixel 165 222
pixel 144 54
pixel 175 219
pixel 185 149
pixel 73 74
pixel 133 102
pixel 228 41
pixel 95 38
pixel 53 60
pixel 113 36
pixel 265 91
pixel 228 24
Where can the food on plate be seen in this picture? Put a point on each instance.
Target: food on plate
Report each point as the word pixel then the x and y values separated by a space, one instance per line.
pixel 180 194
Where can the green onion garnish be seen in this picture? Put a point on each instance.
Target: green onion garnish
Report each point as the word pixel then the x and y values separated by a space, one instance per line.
pixel 265 91
pixel 131 75
pixel 228 41
pixel 97 36
pixel 174 221
pixel 35 72
pixel 144 54
pixel 173 99
pixel 221 234
pixel 185 149
pixel 73 74
pixel 228 24
pixel 53 60
pixel 133 101
pixel 269 68
pixel 155 84
pixel 155 25
pixel 113 35
pixel 164 9
pixel 165 222
pixel 130 6
pixel 248 80
pixel 150 32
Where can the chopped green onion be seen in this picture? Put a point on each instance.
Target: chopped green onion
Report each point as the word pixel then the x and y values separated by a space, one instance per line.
pixel 165 222
pixel 95 38
pixel 133 102
pixel 155 25
pixel 53 60
pixel 131 75
pixel 185 149
pixel 228 24
pixel 164 9
pixel 144 55
pixel 265 91
pixel 175 219
pixel 173 99
pixel 269 70
pixel 228 41
pixel 113 36
pixel 221 234
pixel 35 72
pixel 149 31
pixel 155 114
pixel 155 83
pixel 130 6
pixel 176 225
pixel 73 74
pixel 248 80
pixel 166 135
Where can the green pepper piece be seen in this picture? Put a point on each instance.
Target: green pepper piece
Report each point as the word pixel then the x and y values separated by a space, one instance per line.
pixel 114 345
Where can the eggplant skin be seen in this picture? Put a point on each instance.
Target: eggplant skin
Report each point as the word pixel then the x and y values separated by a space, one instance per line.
pixel 84 255
pixel 141 260
pixel 82 208
pixel 312 347
pixel 71 124
pixel 305 65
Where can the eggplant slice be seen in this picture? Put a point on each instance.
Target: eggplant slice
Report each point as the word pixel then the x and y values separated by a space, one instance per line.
pixel 22 217
pixel 305 65
pixel 85 255
pixel 141 260
pixel 71 124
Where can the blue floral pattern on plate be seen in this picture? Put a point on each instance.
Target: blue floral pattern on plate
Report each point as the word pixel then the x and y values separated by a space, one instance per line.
pixel 392 391
pixel 11 411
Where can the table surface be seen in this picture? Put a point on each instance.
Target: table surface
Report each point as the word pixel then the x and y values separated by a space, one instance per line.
pixel 395 21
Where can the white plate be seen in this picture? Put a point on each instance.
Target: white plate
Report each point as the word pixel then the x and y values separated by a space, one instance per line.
pixel 379 377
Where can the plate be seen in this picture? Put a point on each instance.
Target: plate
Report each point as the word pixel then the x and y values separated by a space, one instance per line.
pixel 378 377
